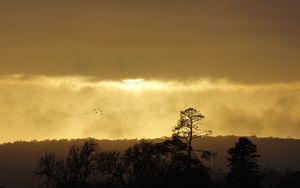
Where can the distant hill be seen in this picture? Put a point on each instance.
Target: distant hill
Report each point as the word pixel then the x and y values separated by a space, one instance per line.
pixel 19 158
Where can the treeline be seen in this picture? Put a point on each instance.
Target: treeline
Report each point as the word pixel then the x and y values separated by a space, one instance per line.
pixel 169 163
pixel 151 165
pixel 143 165
pixel 172 163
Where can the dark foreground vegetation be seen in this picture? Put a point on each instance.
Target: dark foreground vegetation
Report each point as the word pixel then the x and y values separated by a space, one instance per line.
pixel 143 165
pixel 171 163
pixel 148 164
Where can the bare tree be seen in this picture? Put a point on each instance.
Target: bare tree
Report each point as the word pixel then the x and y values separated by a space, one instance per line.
pixel 51 171
pixel 149 165
pixel 74 171
pixel 111 166
pixel 81 161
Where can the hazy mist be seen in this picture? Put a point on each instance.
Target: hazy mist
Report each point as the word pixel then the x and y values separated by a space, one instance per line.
pixel 71 107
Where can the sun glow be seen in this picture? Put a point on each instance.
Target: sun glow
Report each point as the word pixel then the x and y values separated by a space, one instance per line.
pixel 133 84
pixel 141 84
pixel 133 81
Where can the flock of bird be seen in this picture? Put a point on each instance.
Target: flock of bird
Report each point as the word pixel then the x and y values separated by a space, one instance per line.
pixel 96 110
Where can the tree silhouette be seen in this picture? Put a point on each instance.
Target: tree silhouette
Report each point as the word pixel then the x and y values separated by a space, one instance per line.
pixel 51 171
pixel 146 164
pixel 149 165
pixel 80 161
pixel 243 164
pixel 187 129
pixel 74 171
pixel 138 166
pixel 177 173
pixel 110 165
pixel 142 165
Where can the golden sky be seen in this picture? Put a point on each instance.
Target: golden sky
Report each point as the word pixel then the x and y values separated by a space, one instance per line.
pixel 236 61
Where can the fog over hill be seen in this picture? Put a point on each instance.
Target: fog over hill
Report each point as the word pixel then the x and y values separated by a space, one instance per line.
pixel 19 158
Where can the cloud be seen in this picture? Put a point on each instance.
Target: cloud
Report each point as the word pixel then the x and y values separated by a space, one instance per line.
pixel 43 107
pixel 245 42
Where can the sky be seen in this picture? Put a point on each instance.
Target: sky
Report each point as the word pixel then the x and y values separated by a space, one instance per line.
pixel 62 66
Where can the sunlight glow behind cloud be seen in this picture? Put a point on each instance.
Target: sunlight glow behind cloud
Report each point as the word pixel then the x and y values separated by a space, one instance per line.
pixel 41 107
pixel 133 81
